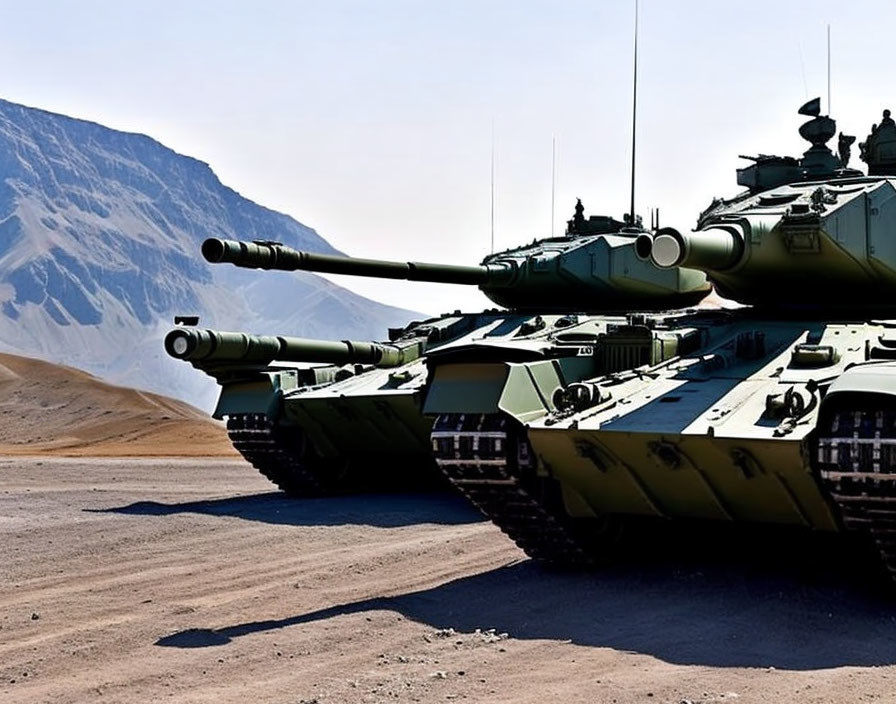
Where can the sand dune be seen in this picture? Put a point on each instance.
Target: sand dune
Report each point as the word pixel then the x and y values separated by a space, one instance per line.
pixel 51 409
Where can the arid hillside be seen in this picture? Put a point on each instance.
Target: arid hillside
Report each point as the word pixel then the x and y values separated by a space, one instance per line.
pixel 51 409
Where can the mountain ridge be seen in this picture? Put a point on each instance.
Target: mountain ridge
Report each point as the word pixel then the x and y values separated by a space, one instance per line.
pixel 100 233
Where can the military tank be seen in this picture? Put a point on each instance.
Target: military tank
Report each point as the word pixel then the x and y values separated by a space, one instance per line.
pixel 319 417
pixel 780 412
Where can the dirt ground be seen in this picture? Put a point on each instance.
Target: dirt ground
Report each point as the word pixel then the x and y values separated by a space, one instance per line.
pixel 189 580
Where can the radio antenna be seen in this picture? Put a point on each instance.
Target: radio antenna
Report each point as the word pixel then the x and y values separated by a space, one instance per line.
pixel 803 70
pixel 829 70
pixel 553 178
pixel 493 188
pixel 634 115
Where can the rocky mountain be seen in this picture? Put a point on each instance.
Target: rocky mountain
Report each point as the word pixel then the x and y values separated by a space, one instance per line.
pixel 99 248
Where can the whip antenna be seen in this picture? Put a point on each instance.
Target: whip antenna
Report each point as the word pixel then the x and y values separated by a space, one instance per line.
pixel 829 70
pixel 803 70
pixel 634 115
pixel 493 189
pixel 553 178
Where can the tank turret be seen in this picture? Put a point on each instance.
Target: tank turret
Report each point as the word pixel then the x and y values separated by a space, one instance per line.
pixel 211 347
pixel 879 150
pixel 809 232
pixel 598 265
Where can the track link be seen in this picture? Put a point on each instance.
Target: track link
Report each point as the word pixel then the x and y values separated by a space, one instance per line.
pixel 487 457
pixel 279 456
pixel 857 463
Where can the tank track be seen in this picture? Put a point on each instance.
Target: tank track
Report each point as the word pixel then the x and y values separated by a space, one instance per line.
pixel 279 456
pixel 487 457
pixel 857 466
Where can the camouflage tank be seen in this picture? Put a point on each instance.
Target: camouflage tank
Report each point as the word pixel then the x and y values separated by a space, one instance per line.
pixel 780 412
pixel 319 416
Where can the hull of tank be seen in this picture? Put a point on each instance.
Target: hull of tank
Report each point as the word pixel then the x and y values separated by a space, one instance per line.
pixel 346 436
pixel 768 421
pixel 359 424
pixel 699 477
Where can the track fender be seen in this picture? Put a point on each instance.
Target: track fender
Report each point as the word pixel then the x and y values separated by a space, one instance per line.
pixel 878 379
pixel 259 395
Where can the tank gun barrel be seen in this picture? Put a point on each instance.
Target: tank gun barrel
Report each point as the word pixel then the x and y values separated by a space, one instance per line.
pixel 212 346
pixel 273 255
pixel 712 249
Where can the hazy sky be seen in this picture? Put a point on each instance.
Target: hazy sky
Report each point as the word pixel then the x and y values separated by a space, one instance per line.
pixel 372 121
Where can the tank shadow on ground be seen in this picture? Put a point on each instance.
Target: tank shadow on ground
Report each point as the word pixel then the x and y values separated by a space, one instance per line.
pixel 792 613
pixel 379 510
